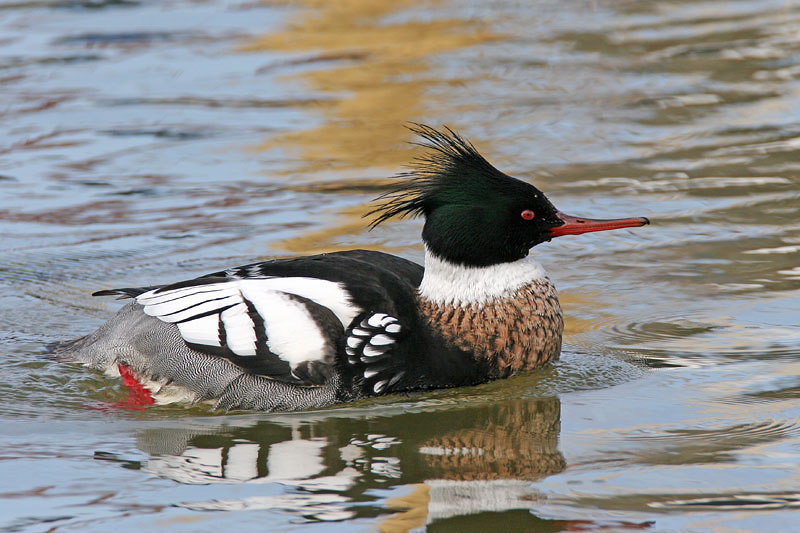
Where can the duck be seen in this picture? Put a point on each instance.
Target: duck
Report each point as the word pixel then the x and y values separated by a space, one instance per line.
pixel 309 332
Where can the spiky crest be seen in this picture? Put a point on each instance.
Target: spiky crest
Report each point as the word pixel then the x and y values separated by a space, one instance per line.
pixel 452 171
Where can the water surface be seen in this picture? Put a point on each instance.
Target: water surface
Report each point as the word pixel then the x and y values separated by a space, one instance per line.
pixel 149 142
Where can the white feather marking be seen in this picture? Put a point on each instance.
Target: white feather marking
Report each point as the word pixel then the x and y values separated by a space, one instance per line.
pixel 381 340
pixel 369 373
pixel 292 333
pixel 154 296
pixel 379 386
pixel 326 293
pixel 177 299
pixel 203 330
pixel 349 351
pixel 450 284
pixel 360 332
pixel 393 328
pixel 371 351
pixel 354 342
pixel 198 309
pixel 190 305
pixel 375 320
pixel 387 320
pixel 240 335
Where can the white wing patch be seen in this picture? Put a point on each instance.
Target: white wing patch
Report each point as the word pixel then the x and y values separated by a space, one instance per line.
pixel 292 332
pixel 180 304
pixel 225 312
pixel 240 334
pixel 326 293
pixel 197 331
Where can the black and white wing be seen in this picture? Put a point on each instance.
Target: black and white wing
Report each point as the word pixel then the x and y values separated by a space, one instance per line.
pixel 286 318
pixel 283 327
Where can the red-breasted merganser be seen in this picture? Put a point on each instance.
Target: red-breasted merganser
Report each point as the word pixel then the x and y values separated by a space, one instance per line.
pixel 309 332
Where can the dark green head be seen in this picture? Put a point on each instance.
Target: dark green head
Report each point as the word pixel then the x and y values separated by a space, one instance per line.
pixel 475 215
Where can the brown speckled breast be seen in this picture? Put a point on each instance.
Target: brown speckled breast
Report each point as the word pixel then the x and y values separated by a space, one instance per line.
pixel 518 332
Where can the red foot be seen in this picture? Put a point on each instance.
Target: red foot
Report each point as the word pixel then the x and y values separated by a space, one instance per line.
pixel 138 395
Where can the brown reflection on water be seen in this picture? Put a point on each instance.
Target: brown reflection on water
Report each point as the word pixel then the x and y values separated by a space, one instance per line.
pixel 514 440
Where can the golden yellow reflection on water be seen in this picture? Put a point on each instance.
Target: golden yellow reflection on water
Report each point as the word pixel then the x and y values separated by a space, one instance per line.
pixel 350 222
pixel 412 510
pixel 376 93
pixel 377 74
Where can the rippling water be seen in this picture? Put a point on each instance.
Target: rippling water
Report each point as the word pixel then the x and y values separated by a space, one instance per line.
pixel 149 142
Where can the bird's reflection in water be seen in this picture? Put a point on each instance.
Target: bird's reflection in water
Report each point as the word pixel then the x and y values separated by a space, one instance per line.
pixel 456 460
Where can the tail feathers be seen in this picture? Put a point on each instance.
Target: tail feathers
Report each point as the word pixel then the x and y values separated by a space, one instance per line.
pixel 102 348
pixel 127 292
pixel 67 351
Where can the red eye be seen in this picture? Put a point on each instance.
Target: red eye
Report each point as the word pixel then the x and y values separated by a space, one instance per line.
pixel 527 214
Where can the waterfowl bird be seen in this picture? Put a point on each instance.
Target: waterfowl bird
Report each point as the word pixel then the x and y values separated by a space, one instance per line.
pixel 308 332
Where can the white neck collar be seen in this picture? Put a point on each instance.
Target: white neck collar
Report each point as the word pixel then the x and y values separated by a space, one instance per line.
pixel 446 283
